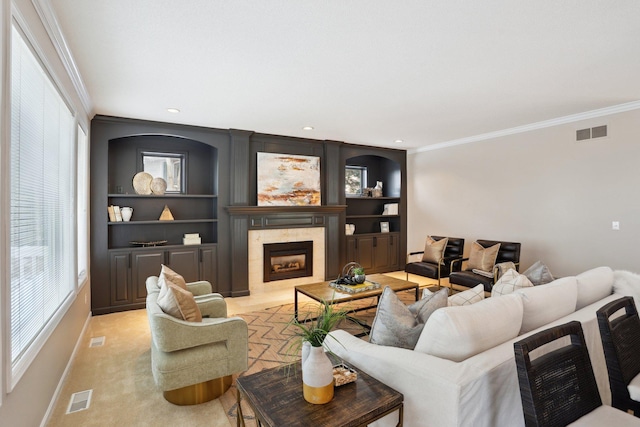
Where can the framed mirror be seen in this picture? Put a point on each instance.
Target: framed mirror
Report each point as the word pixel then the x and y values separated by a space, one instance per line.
pixel 168 166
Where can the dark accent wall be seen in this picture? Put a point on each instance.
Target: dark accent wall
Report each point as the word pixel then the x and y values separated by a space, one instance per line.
pixel 235 164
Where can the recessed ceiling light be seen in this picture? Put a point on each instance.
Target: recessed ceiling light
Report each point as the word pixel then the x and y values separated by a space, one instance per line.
pixel 173 110
pixel 398 141
pixel 307 128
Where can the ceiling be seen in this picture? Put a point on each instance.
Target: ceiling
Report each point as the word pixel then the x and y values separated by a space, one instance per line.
pixel 365 72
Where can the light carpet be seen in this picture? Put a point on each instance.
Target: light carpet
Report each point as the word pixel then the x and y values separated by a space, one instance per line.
pixel 119 372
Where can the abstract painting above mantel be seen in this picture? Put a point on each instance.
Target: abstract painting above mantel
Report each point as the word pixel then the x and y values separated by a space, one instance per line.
pixel 288 180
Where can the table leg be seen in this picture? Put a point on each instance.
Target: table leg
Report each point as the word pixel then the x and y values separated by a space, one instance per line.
pixel 401 415
pixel 417 292
pixel 295 304
pixel 239 416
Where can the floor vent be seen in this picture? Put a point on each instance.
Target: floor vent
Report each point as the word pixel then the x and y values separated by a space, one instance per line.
pixel 96 342
pixel 79 401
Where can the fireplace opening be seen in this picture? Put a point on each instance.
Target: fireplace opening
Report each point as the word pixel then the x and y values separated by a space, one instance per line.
pixel 288 260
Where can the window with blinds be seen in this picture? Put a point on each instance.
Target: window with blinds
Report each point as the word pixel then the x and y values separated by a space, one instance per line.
pixel 43 210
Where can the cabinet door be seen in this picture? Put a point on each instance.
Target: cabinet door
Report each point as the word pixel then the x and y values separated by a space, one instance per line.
pixel 352 255
pixel 365 252
pixel 120 277
pixel 209 265
pixel 381 253
pixel 145 264
pixel 394 252
pixel 185 261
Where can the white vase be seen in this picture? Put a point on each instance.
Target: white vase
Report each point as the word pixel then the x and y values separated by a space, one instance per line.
pixel 126 213
pixel 306 347
pixel 317 377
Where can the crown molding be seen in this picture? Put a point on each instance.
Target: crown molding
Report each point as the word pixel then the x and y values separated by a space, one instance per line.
pixel 620 108
pixel 50 22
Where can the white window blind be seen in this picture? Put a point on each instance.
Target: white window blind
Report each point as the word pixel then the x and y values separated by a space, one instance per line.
pixel 42 175
pixel 83 203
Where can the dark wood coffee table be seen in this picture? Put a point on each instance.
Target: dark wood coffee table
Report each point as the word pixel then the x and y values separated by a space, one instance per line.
pixel 276 398
pixel 325 294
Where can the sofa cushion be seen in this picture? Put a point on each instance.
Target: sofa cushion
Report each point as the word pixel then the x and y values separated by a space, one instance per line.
pixel 398 325
pixel 179 303
pixel 509 282
pixel 434 250
pixel 483 258
pixel 539 274
pixel 546 303
pixel 593 285
pixel 468 297
pixel 168 274
pixel 457 333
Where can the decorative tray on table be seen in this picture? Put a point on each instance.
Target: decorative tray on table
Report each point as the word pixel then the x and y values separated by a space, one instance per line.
pixel 342 374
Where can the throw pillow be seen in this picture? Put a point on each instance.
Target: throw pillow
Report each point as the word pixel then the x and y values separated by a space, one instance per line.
pixel 467 297
pixel 397 325
pixel 434 250
pixel 168 274
pixel 539 274
pixel 483 258
pixel 503 267
pixel 509 282
pixel 457 333
pixel 179 303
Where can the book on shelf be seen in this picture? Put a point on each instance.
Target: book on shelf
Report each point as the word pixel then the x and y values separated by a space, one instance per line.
pixel 112 215
pixel 117 213
pixel 390 209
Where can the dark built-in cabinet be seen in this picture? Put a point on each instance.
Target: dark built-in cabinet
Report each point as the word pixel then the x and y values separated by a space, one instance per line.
pixel 218 201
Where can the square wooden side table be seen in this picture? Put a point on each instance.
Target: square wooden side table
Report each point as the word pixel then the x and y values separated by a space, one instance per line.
pixel 276 398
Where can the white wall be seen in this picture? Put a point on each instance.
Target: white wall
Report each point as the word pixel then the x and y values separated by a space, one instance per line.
pixel 27 404
pixel 556 196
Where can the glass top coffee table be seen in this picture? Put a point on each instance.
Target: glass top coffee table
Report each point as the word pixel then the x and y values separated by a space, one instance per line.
pixel 323 293
pixel 275 395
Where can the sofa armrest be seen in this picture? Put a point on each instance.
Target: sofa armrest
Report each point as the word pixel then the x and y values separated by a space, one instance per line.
pixel 201 287
pixel 212 305
pixel 171 334
pixel 414 374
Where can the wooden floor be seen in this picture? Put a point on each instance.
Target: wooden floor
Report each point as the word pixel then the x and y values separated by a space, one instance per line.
pixel 260 301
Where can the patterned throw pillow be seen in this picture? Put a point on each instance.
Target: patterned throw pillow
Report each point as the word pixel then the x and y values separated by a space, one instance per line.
pixel 467 297
pixel 398 325
pixel 483 258
pixel 539 274
pixel 509 282
pixel 434 250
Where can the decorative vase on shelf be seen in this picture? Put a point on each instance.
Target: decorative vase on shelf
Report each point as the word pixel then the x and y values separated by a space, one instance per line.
pixel 317 376
pixel 377 190
pixel 126 213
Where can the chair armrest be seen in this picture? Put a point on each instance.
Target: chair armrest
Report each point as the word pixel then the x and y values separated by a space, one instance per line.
pixel 459 260
pixel 212 305
pixel 171 334
pixel 200 287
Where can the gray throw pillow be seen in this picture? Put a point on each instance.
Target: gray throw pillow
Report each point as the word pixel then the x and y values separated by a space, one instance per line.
pixel 398 325
pixel 539 274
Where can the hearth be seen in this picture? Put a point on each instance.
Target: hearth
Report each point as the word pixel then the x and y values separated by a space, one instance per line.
pixel 288 260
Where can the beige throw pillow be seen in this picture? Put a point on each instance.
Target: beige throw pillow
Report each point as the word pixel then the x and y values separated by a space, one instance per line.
pixel 168 274
pixel 434 250
pixel 482 258
pixel 179 303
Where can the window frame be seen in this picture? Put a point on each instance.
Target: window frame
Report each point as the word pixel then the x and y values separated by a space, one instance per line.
pixel 363 179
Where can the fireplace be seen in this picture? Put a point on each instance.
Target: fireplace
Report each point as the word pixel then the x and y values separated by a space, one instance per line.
pixel 288 260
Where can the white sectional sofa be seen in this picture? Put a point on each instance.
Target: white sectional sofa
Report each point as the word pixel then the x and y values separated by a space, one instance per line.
pixel 462 372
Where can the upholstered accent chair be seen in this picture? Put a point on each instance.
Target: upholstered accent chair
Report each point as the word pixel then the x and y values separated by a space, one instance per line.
pixel 621 343
pixel 451 260
pixel 559 388
pixel 466 277
pixel 193 362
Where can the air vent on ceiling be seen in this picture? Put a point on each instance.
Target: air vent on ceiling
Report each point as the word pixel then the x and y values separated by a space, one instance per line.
pixel 96 342
pixel 79 401
pixel 590 133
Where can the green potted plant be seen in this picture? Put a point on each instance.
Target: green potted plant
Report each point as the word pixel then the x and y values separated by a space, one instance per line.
pixel 358 275
pixel 310 335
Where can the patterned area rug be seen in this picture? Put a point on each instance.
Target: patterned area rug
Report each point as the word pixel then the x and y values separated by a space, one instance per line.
pixel 270 340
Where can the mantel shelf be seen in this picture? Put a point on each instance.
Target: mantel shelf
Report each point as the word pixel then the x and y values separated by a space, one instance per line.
pixel 261 210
